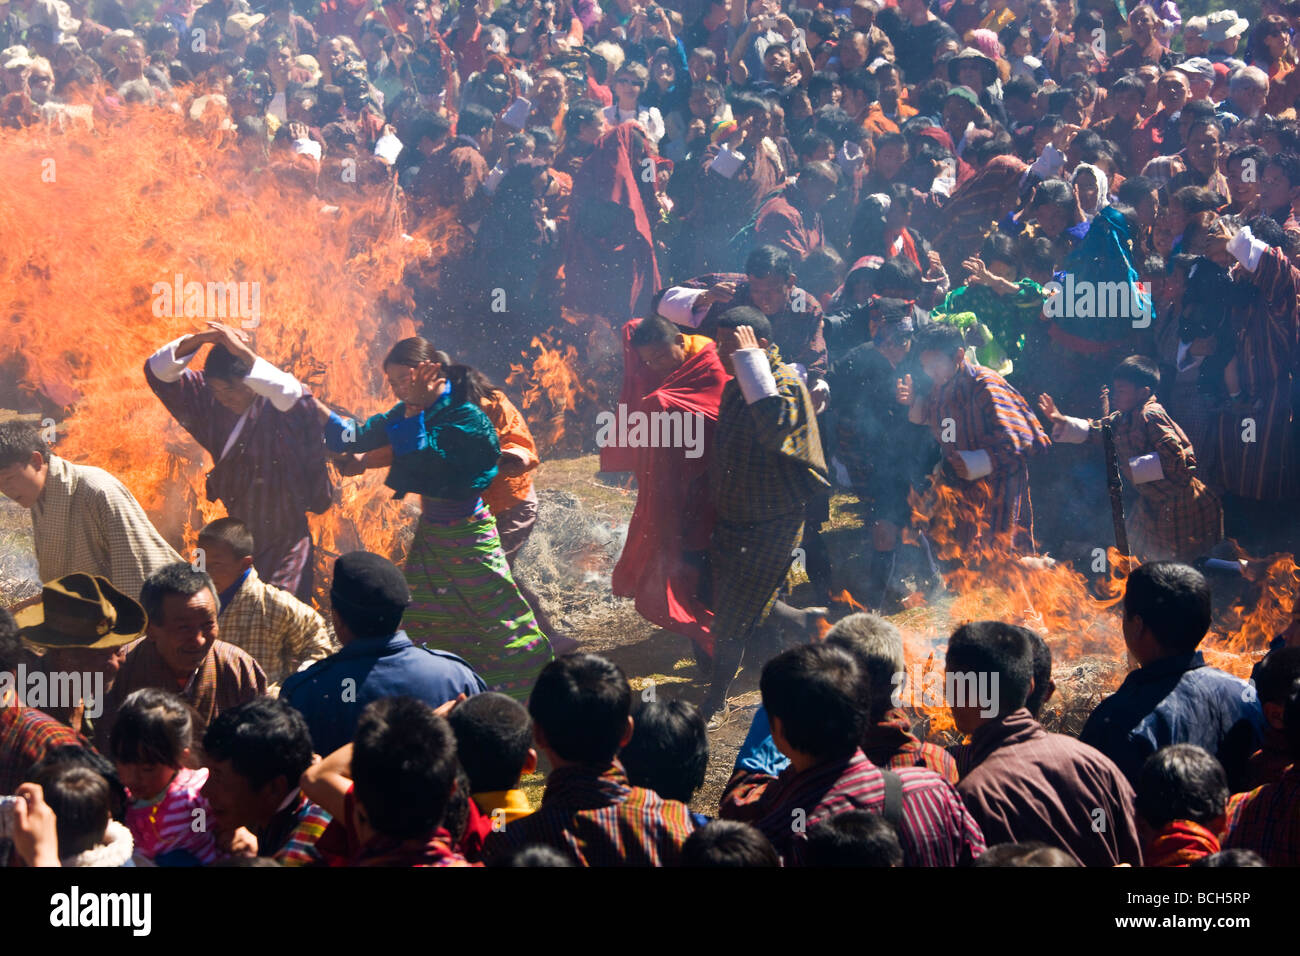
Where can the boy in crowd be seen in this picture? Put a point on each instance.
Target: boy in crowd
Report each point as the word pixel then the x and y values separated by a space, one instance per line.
pixel 1181 796
pixel 669 751
pixel 494 741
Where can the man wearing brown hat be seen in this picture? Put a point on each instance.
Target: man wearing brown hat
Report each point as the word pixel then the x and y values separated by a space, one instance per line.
pixel 181 653
pixel 83 625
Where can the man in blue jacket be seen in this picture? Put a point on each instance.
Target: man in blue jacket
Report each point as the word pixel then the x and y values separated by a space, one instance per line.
pixel 1174 697
pixel 368 598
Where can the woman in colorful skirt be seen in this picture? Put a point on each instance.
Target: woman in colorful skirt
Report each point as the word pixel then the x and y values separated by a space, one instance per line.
pixel 443 447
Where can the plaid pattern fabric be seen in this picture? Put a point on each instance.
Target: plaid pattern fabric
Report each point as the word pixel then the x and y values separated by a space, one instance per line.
pixel 935 830
pixel 26 736
pixel 987 414
pixel 1177 517
pixel 435 851
pixel 280 632
pixel 749 564
pixel 86 520
pixel 1267 820
pixel 1179 843
pixel 1267 352
pixel 294 832
pixel 599 819
pixel 890 743
pixel 767 457
pixel 227 678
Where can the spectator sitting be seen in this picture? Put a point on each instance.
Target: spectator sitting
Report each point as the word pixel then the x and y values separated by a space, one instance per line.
pixel 729 843
pixel 494 741
pixel 1264 820
pixel 855 838
pixel 368 597
pixel 83 810
pixel 668 752
pixel 581 707
pixel 1181 797
pixel 1273 677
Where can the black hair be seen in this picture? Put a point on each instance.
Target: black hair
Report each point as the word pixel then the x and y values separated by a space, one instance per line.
pixel 815 691
pixel 939 337
pixel 1020 88
pixel 853 838
pixel 473 120
pixel 1042 674
pixel 1053 192
pixel 493 736
pixel 581 703
pixel 263 739
pixel 537 855
pixel 998 247
pixel 153 726
pixel 728 844
pixel 90 758
pixel 179 578
pixel 1181 782
pixel 1139 371
pixel 1229 858
pixel 223 364
pixel 812 141
pixel 1128 83
pixel 1274 675
pixel 579 114
pixel 82 803
pixel 836 123
pixel 432 126
pixel 743 104
pixel 1267 231
pixel 1034 854
pixel 1288 164
pixel 231 532
pixel 1173 601
pixel 1134 189
pixel 767 261
pixel 18 440
pixel 11 645
pixel 747 315
pixel 403 766
pixel 1196 199
pixel 455 819
pixel 899 274
pixel 654 330
pixel 863 82
pixel 669 749
pixel 1036 255
pixel 995 647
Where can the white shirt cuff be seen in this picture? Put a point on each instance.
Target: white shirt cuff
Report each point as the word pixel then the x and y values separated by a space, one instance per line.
pixel 1247 248
pixel 978 463
pixel 281 388
pixel 802 370
pixel 1072 431
pixel 387 148
pixel 677 305
pixel 164 364
pixel 307 147
pixel 754 374
pixel 1146 468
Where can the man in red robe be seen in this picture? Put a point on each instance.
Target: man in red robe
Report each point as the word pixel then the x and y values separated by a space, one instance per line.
pixel 669 379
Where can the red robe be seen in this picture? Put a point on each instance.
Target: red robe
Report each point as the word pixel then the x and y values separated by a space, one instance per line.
pixel 610 269
pixel 673 511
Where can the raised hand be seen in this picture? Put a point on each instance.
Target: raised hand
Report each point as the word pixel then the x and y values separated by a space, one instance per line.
pixel 1047 405
pixel 904 392
pixel 745 338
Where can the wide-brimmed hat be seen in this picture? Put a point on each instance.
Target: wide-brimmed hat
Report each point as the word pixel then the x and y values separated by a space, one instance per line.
pixel 988 68
pixel 239 25
pixel 1224 25
pixel 81 610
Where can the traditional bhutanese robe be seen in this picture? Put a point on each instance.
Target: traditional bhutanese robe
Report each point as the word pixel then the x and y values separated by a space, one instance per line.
pixel 674 513
pixel 268 464
pixel 1257 445
pixel 977 411
pixel 1177 518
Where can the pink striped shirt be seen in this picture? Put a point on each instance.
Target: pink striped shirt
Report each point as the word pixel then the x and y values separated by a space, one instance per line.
pixel 171 823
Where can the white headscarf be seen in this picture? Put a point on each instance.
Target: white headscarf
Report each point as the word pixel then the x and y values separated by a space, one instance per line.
pixel 1103 188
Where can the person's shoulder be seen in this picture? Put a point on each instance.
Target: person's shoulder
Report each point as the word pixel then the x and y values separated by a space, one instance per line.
pixel 308 675
pixel 234 657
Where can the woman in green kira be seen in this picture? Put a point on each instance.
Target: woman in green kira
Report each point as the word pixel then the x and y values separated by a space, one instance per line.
pixel 1004 309
pixel 438 444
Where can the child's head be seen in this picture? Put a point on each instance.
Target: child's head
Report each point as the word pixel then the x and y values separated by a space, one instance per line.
pixel 700 64
pixel 669 749
pixel 1037 259
pixel 999 254
pixel 227 547
pixel 1134 381
pixel 992 652
pixel 940 348
pixel 813 695
pixel 854 838
pixel 1274 677
pixel 1126 95
pixel 404 767
pixel 82 801
pixel 1181 782
pixel 727 844
pixel 151 740
pixel 822 272
pixel 494 740
pixel 581 707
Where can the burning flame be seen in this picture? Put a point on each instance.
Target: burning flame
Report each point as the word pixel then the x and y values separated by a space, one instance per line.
pixel 554 388
pixel 149 198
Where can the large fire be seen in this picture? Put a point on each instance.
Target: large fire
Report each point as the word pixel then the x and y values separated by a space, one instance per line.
pixel 94 222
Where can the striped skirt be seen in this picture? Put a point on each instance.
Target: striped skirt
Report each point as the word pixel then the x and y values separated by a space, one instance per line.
pixel 465 600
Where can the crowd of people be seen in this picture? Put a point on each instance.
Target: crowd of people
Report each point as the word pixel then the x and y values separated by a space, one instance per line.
pixel 870 249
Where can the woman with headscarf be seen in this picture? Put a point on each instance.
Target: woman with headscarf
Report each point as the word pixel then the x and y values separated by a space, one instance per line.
pixel 1091 185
